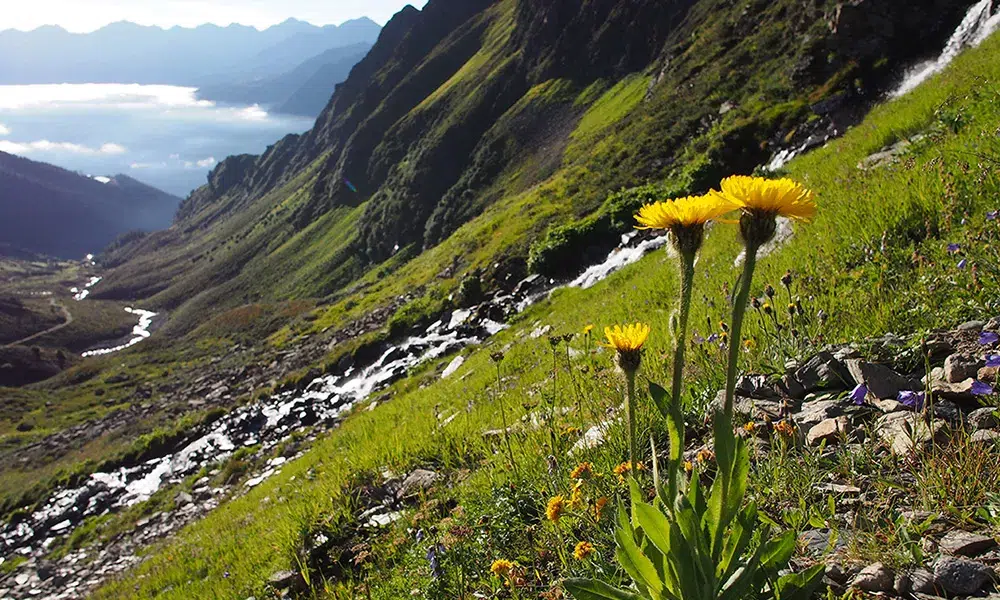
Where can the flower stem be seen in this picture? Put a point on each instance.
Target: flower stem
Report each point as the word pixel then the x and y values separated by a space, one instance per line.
pixel 687 285
pixel 736 333
pixel 503 420
pixel 630 413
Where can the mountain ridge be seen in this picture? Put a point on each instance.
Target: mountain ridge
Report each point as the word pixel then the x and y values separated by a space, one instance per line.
pixel 54 211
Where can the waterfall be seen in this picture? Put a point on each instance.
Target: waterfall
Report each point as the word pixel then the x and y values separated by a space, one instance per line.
pixel 977 25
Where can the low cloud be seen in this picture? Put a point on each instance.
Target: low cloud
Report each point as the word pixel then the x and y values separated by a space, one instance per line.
pixel 208 162
pixel 46 146
pixel 4 130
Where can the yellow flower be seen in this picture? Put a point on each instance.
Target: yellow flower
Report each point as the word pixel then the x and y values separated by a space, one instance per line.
pixel 588 329
pixel 784 428
pixel 555 508
pixel 583 470
pixel 684 212
pixel 599 507
pixel 688 466
pixel 705 455
pixel 629 338
pixel 583 550
pixel 624 468
pixel 773 197
pixel 750 427
pixel 501 567
pixel 628 341
pixel 576 498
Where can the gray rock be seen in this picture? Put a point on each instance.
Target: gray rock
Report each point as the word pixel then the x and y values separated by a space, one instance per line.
pixel 829 431
pixel 286 580
pixel 902 584
pixel 882 381
pixel 963 543
pixel 947 410
pixel 817 411
pixel 938 347
pixel 956 392
pixel 983 418
pixel 837 488
pixel 875 577
pixel 985 436
pixel 902 431
pixel 922 582
pixel 420 480
pixel 889 406
pixel 183 498
pixel 823 372
pixel 757 387
pixel 961 576
pixel 835 572
pixel 971 326
pixel 959 367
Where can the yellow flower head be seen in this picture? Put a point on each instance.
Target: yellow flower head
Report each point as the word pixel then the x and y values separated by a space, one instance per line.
pixel 684 212
pixel 583 550
pixel 588 329
pixel 688 466
pixel 773 197
pixel 628 342
pixel 555 508
pixel 501 567
pixel 629 338
pixel 583 470
pixel 599 507
pixel 576 498
pixel 624 468
pixel 784 428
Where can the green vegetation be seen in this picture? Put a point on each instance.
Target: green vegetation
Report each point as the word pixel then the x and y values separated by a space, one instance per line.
pixel 868 261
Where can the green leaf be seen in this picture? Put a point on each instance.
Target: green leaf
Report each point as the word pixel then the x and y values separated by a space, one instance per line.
pixel 800 586
pixel 661 398
pixel 776 553
pixel 655 525
pixel 635 563
pixel 591 589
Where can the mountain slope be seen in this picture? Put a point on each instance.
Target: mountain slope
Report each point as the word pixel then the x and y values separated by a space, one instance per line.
pixel 471 127
pixel 50 210
pixel 303 90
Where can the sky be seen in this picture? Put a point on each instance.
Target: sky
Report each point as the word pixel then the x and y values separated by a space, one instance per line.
pixel 87 15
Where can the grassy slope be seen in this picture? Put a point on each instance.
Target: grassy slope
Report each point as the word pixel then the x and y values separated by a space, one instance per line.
pixel 874 259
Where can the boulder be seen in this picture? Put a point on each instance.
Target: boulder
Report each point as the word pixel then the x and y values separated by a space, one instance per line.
pixel 960 576
pixel 985 436
pixel 823 372
pixel 817 411
pixel 959 367
pixel 420 480
pixel 874 578
pixel 983 418
pixel 963 543
pixel 286 580
pixel 882 382
pixel 922 582
pixel 902 431
pixel 829 431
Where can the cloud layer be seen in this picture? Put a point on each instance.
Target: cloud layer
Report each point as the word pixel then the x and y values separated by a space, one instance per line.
pixel 41 146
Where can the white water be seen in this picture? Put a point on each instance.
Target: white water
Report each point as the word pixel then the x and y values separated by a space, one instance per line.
pixel 619 258
pixel 977 25
pixel 139 333
pixel 80 294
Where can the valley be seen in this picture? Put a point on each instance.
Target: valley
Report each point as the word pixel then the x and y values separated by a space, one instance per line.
pixel 369 363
